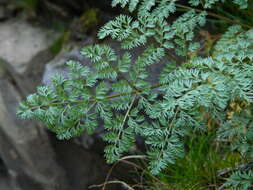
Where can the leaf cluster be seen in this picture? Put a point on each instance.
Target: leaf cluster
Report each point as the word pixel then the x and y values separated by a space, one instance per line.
pixel 216 88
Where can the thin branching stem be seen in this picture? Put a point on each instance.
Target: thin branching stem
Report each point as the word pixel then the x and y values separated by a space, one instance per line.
pixel 125 119
pixel 113 182
pixel 97 100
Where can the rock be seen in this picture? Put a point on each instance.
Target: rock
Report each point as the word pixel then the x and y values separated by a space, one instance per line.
pixel 20 43
pixel 77 6
pixel 7 184
pixel 4 2
pixel 24 145
pixel 88 167
pixel 27 153
pixel 83 167
pixel 2 13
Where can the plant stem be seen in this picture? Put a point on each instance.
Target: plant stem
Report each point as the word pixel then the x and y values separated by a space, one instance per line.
pixel 96 100
pixel 124 120
pixel 112 182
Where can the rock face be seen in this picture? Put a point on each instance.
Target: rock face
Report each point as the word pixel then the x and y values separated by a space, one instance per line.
pixel 2 13
pixel 75 5
pixel 27 168
pixel 21 43
pixel 21 140
pixel 83 167
pixel 33 158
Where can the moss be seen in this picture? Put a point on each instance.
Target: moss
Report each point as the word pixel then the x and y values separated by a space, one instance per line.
pixel 88 20
pixel 58 44
pixel 30 5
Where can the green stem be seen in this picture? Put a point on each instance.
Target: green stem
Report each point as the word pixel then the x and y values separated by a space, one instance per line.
pixel 96 100
pixel 124 120
pixel 170 130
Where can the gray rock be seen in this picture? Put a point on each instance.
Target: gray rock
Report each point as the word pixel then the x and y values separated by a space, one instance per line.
pixel 24 145
pixel 27 153
pixel 7 184
pixel 20 42
pixel 74 5
pixel 3 2
pixel 2 13
pixel 83 167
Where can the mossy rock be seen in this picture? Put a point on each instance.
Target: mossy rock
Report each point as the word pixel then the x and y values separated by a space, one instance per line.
pixel 86 24
pixel 59 43
pixel 88 20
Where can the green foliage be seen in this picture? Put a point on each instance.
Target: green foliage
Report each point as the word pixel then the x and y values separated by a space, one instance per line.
pixel 58 44
pixel 209 3
pixel 240 180
pixel 231 11
pixel 216 88
pixel 147 4
pixel 199 168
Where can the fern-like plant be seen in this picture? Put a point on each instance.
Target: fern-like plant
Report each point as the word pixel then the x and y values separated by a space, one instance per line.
pixel 203 89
